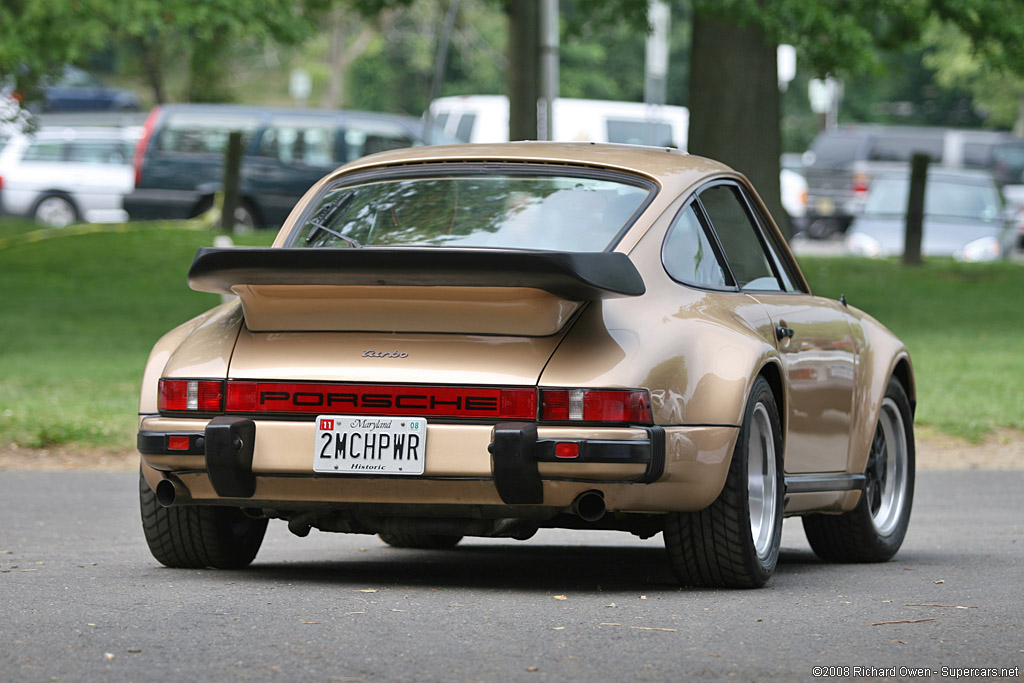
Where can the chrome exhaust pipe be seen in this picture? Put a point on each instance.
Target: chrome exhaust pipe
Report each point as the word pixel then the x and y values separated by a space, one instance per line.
pixel 589 506
pixel 171 492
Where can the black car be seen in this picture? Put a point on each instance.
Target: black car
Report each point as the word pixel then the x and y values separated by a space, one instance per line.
pixel 179 162
pixel 76 90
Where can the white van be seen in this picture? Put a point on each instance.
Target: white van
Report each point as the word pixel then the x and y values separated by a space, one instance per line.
pixel 484 118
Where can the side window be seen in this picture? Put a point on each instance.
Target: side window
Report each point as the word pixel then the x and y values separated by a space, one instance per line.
pixel 367 137
pixel 688 254
pixel 300 143
pixel 739 238
pixel 465 129
pixel 98 152
pixel 195 133
pixel 48 150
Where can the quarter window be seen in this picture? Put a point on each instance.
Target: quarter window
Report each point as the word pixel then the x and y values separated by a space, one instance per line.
pixel 688 254
pixel 739 237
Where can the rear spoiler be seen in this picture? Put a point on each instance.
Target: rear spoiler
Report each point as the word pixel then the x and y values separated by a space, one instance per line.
pixel 574 276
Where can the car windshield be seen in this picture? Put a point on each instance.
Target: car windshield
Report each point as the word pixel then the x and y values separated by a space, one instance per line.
pixel 942 198
pixel 542 212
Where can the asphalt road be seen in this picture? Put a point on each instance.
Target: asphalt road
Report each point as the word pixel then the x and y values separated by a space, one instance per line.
pixel 81 599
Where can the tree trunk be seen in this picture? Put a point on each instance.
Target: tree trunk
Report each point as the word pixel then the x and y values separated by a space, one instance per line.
pixel 152 64
pixel 734 104
pixel 523 68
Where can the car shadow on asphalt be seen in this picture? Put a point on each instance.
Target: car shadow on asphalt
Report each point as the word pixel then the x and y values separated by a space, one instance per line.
pixel 501 567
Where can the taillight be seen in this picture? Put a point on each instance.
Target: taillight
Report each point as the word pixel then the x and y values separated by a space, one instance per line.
pixel 860 183
pixel 596 405
pixel 140 149
pixel 196 395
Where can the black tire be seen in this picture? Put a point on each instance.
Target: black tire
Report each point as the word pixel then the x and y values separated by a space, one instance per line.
pixel 734 542
pixel 874 530
pixel 197 536
pixel 422 541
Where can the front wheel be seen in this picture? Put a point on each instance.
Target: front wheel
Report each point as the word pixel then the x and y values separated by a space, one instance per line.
pixel 874 530
pixel 197 536
pixel 734 542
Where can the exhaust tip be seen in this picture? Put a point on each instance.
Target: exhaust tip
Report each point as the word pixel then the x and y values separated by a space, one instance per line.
pixel 166 493
pixel 589 506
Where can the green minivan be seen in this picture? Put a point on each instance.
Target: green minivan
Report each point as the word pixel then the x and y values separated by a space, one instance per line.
pixel 179 161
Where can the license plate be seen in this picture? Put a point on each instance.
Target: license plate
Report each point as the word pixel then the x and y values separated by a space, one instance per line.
pixel 361 444
pixel 825 207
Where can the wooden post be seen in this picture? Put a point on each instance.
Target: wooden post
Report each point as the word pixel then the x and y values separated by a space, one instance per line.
pixel 232 170
pixel 915 209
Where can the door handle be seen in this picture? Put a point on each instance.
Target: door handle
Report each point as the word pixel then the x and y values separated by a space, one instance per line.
pixel 783 332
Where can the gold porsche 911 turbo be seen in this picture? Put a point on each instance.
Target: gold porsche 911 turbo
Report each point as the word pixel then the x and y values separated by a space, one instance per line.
pixel 487 340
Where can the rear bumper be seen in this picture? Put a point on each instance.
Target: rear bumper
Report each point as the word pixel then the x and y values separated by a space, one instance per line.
pixel 256 464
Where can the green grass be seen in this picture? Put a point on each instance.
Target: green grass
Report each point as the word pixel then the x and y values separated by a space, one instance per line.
pixel 78 315
pixel 80 310
pixel 963 324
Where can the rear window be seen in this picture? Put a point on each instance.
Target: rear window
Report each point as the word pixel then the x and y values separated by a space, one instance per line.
pixel 942 198
pixel 514 211
pixel 903 147
pixel 836 150
pixel 202 133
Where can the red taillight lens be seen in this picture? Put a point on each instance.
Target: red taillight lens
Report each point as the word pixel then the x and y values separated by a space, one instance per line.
pixel 860 183
pixel 140 148
pixel 205 396
pixel 596 405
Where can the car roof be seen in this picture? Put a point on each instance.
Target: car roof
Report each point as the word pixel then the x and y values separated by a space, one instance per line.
pixel 666 166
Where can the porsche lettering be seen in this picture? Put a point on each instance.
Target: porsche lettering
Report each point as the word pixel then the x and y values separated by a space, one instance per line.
pixel 301 399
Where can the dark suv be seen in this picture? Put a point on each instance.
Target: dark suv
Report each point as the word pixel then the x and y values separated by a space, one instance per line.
pixel 179 162
pixel 841 164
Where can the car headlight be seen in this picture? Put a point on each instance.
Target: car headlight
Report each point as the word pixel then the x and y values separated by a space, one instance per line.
pixel 984 249
pixel 863 245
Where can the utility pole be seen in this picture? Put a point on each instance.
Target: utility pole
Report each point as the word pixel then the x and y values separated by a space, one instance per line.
pixel 523 68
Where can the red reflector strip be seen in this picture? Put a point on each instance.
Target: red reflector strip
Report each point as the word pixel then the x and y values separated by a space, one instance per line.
pixel 377 399
pixel 177 443
pixel 205 396
pixel 567 449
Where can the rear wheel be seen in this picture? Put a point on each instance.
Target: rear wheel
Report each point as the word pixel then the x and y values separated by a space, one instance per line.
pixel 734 542
pixel 423 541
pixel 874 530
pixel 196 536
pixel 55 211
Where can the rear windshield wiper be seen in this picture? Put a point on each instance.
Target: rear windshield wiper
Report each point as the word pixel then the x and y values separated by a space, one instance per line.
pixel 328 214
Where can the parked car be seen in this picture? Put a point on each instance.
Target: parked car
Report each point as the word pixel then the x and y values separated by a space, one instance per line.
pixel 841 164
pixel 77 90
pixel 485 340
pixel 964 217
pixel 58 176
pixel 179 163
